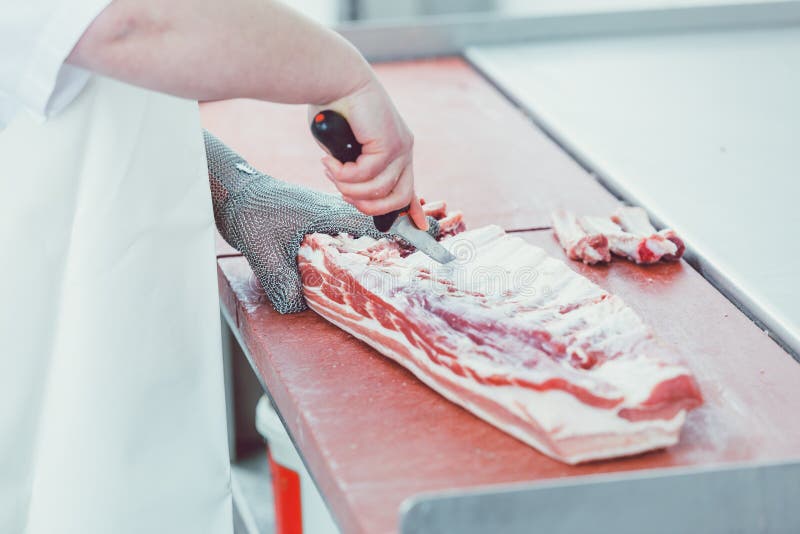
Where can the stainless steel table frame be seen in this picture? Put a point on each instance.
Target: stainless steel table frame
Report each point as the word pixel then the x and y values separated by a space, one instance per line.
pixel 722 500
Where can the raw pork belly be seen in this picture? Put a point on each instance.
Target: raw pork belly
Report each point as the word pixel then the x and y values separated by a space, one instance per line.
pixel 510 334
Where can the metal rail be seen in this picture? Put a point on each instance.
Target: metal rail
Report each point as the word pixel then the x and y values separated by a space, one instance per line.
pixel 714 500
pixel 441 35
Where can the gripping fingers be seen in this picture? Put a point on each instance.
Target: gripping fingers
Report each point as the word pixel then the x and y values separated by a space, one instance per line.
pixel 398 198
pixel 364 169
pixel 379 187
pixel 331 164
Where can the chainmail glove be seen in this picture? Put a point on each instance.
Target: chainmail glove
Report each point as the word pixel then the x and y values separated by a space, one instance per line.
pixel 266 219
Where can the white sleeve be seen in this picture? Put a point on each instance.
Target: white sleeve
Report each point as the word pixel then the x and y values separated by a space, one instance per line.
pixel 36 36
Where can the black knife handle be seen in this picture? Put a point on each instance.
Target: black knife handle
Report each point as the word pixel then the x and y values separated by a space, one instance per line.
pixel 332 130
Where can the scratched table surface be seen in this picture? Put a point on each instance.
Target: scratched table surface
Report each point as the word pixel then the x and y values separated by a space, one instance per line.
pixel 372 435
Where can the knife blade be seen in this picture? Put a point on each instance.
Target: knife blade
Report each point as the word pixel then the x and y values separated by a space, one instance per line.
pixel 332 130
pixel 423 241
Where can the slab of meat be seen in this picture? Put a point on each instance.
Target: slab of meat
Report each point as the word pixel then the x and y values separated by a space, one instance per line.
pixel 628 233
pixel 577 242
pixel 510 334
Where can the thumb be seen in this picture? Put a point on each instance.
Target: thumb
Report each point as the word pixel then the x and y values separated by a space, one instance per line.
pixel 417 215
pixel 283 287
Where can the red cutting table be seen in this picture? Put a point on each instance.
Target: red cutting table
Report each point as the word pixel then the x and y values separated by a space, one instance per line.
pixel 373 436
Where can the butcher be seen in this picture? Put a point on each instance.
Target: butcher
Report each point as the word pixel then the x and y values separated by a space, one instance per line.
pixel 112 414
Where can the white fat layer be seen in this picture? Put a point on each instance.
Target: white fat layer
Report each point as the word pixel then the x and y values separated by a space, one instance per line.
pixel 633 219
pixel 566 228
pixel 591 254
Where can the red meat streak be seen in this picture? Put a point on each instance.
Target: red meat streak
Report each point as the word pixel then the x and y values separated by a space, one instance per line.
pixel 645 254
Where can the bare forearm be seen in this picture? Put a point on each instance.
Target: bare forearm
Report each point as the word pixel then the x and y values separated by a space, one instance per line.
pixel 216 49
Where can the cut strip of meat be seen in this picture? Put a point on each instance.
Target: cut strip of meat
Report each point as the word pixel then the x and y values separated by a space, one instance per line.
pixel 640 248
pixel 588 247
pixel 635 220
pixel 628 233
pixel 510 334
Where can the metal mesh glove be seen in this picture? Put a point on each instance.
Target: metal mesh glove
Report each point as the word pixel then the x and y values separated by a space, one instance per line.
pixel 266 219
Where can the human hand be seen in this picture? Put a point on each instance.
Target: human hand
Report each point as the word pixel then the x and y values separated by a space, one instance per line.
pixel 266 219
pixel 382 179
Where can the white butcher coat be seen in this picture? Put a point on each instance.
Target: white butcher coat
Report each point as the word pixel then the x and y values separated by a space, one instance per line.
pixel 112 414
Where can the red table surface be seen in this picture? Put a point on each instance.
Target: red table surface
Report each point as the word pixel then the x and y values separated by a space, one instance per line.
pixel 472 147
pixel 372 435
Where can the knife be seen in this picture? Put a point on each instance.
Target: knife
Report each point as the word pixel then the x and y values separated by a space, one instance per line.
pixel 332 130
